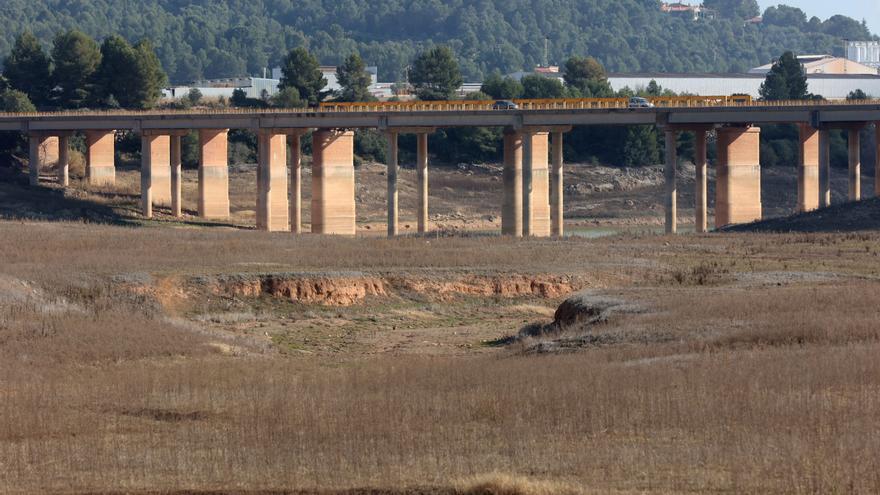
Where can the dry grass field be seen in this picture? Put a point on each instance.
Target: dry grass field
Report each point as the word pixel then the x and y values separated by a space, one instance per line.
pixel 136 360
pixel 178 357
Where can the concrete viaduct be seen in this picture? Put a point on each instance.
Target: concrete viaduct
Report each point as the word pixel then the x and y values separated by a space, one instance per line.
pixel 533 188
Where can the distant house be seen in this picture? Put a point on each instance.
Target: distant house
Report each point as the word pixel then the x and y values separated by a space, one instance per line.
pixel 824 64
pixel 695 12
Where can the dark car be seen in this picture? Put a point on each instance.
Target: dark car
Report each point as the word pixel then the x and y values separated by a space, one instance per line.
pixel 504 105
pixel 638 102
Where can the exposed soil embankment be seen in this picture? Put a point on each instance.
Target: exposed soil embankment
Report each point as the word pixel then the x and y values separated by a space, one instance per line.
pixel 345 289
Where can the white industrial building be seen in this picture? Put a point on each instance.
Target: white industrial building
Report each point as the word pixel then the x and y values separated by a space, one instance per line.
pixel 830 86
pixel 864 52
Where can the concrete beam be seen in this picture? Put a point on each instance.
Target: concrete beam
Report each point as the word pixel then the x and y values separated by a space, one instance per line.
pixel 557 220
pixel 671 163
pixel 824 169
pixel 391 175
pixel 512 208
pixel 701 206
pixel 101 157
pixel 333 187
pixel 294 145
pixel 272 207
pixel 855 164
pixel 422 171
pixel 214 174
pixel 808 169
pixel 738 190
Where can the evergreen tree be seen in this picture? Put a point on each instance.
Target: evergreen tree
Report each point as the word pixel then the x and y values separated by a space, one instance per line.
pixel 785 81
pixel 435 74
pixel 286 98
pixel 537 86
pixel 300 70
pixel 502 88
pixel 76 58
pixel 13 100
pixel 587 76
pixel 352 75
pixel 27 68
pixel 130 75
pixel 640 147
pixel 734 9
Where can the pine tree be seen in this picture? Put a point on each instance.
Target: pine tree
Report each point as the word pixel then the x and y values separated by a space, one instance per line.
pixel 785 81
pixel 435 74
pixel 76 58
pixel 352 75
pixel 300 70
pixel 27 68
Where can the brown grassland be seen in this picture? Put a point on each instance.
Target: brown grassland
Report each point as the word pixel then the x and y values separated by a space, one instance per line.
pixel 754 368
pixel 181 357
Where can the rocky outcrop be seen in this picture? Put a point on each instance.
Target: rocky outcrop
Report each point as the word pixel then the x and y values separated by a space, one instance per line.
pixel 588 307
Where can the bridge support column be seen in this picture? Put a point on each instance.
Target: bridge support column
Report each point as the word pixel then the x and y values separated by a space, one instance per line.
pixel 701 206
pixel 824 169
pixel 738 188
pixel 43 153
pixel 557 220
pixel 808 169
pixel 176 177
pixel 671 185
pixel 155 171
pixel 213 174
pixel 512 208
pixel 294 144
pixel 877 160
pixel 855 164
pixel 391 175
pixel 333 189
pixel 422 171
pixel 100 158
pixel 64 160
pixel 536 185
pixel 272 206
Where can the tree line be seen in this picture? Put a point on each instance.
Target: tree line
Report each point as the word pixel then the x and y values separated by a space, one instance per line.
pixel 80 73
pixel 197 39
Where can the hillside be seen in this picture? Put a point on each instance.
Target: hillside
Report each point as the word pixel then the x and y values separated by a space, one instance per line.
pixel 217 38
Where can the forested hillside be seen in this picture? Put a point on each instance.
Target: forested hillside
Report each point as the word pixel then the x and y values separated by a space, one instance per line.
pixel 216 38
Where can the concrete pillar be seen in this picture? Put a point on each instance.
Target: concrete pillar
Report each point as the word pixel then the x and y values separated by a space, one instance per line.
pixel 808 169
pixel 511 212
pixel 855 165
pixel 272 208
pixel 701 193
pixel 100 158
pixel 536 185
pixel 557 220
pixel 213 174
pixel 671 186
pixel 824 169
pixel 176 176
pixel 422 171
pixel 333 189
pixel 294 143
pixel 877 160
pixel 392 194
pixel 738 188
pixel 155 171
pixel 43 153
pixel 64 160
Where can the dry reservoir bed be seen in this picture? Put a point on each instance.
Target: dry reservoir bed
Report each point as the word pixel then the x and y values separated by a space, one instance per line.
pixel 162 359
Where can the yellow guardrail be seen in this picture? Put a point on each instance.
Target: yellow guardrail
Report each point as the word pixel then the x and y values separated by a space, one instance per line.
pixel 534 104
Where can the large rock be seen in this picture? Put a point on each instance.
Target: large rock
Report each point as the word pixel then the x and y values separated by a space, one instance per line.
pixel 588 307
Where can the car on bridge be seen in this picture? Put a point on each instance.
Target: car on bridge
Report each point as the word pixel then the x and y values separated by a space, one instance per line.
pixel 504 105
pixel 639 102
